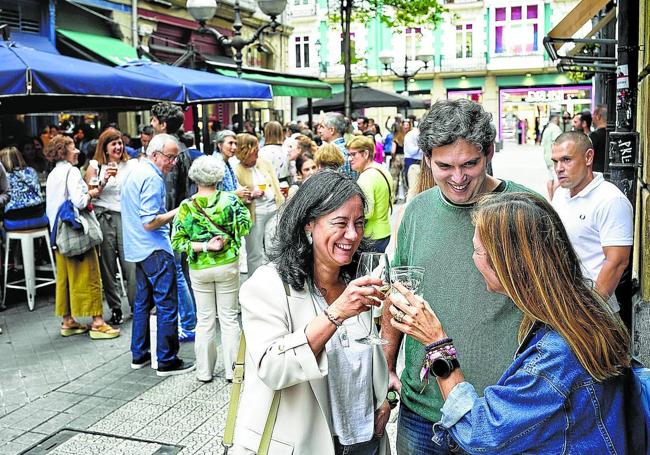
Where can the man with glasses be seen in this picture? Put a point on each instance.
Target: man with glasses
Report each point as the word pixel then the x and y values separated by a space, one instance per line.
pixel 145 225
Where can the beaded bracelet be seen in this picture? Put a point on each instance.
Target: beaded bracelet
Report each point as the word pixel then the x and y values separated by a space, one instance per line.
pixel 435 344
pixel 447 351
pixel 332 319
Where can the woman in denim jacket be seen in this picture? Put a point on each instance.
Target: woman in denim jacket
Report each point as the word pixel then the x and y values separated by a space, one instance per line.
pixel 563 393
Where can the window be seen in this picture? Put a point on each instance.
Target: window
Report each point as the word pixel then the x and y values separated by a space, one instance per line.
pixel 302 51
pixel 353 50
pixel 464 41
pixel 413 39
pixel 520 24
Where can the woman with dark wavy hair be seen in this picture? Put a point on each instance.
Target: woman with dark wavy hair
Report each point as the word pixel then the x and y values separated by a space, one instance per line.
pixel 299 317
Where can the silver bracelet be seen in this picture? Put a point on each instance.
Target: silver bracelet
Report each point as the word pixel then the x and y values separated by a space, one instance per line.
pixel 332 319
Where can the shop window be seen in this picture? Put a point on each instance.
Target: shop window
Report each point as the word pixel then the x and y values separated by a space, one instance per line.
pixel 302 51
pixel 464 41
pixel 515 33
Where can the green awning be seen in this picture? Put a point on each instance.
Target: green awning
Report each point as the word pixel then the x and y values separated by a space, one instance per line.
pixel 285 85
pixel 111 49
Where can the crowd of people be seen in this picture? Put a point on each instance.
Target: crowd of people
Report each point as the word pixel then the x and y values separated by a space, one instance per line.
pixel 505 273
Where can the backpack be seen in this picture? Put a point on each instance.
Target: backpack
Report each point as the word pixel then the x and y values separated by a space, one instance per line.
pixel 637 408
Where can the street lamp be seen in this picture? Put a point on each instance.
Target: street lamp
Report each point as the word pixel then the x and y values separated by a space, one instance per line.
pixel 202 10
pixel 424 55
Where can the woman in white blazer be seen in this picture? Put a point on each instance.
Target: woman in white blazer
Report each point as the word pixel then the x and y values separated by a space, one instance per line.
pixel 300 338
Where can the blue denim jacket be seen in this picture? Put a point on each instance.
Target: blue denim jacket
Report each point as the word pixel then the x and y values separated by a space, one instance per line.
pixel 545 403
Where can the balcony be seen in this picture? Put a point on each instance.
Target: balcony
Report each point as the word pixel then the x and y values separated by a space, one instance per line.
pixel 302 11
pixel 457 65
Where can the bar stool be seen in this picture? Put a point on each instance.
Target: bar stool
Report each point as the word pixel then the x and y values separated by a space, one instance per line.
pixel 27 237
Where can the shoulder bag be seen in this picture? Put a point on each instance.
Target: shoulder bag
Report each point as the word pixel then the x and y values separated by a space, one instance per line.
pixel 235 394
pixel 77 231
pixel 219 227
pixel 390 195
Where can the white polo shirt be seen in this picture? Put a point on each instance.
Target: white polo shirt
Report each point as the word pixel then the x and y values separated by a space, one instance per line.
pixel 598 216
pixel 411 149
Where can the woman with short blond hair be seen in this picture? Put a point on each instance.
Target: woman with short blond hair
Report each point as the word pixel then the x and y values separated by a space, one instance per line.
pixel 329 156
pixel 258 175
pixel 376 183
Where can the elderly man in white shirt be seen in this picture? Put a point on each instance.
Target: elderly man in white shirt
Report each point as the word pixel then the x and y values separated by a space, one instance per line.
pixel 596 214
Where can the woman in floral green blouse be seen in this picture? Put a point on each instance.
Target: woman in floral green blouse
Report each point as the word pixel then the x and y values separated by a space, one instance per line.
pixel 209 228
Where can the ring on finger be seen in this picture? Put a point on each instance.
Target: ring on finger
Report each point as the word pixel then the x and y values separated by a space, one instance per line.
pixel 399 316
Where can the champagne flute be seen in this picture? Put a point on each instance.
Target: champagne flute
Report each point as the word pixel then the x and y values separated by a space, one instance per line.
pixel 374 265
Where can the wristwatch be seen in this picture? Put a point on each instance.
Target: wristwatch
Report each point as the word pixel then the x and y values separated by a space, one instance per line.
pixel 442 367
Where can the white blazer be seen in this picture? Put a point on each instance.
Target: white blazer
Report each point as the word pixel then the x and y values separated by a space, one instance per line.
pixel 279 358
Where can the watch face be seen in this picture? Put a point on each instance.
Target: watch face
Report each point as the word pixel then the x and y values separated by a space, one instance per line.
pixel 441 368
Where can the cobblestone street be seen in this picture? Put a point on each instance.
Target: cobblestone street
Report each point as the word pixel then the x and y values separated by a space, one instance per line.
pixel 48 383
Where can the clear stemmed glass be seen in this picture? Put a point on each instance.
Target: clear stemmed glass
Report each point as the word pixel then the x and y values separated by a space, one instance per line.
pixel 374 265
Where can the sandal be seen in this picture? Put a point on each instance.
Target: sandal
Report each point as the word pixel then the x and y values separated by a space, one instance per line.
pixel 74 329
pixel 104 332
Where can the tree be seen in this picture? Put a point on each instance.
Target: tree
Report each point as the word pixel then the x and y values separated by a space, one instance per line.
pixel 394 13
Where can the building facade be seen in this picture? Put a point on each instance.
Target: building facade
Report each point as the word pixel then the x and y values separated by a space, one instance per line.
pixel 488 51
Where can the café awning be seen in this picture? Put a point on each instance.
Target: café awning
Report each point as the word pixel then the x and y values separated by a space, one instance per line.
pixel 98 48
pixel 565 31
pixel 282 84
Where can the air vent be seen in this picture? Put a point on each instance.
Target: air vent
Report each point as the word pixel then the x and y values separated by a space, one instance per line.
pixel 22 16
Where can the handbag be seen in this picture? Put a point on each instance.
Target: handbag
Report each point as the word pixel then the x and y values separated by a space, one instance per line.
pixel 76 231
pixel 235 394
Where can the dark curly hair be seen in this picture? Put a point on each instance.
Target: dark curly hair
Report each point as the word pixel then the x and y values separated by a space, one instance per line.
pixel 291 253
pixel 170 114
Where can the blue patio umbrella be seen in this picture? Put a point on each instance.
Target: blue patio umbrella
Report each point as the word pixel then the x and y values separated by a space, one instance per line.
pixel 35 81
pixel 201 86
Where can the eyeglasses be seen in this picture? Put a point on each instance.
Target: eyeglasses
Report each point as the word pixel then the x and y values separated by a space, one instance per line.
pixel 170 158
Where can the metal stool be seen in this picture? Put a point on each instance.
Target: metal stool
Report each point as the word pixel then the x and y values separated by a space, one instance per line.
pixel 30 279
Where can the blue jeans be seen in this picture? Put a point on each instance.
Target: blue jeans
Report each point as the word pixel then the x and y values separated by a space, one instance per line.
pixel 156 285
pixel 414 435
pixel 186 308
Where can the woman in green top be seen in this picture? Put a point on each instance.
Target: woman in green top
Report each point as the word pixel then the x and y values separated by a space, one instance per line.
pixel 377 185
pixel 209 228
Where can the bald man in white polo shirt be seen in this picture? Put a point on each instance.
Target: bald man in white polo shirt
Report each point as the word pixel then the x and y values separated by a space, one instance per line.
pixel 596 214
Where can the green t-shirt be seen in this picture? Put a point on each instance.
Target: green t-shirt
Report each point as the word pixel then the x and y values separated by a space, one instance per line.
pixel 377 185
pixel 437 235
pixel 190 225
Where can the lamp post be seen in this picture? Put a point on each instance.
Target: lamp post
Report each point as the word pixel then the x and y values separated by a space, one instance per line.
pixel 424 56
pixel 203 10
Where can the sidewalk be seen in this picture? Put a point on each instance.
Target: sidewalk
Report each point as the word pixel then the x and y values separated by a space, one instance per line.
pixel 48 383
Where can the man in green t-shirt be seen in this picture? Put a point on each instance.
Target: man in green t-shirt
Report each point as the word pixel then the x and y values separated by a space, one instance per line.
pixel 457 138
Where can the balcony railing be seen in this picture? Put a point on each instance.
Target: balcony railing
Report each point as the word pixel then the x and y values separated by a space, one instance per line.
pixel 450 65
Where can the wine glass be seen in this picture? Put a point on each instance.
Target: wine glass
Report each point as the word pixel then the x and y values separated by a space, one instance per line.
pixel 408 276
pixel 374 265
